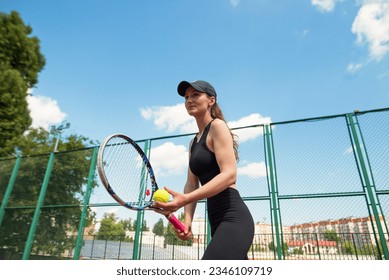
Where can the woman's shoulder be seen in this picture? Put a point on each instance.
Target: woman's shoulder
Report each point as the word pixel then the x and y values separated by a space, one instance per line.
pixel 219 125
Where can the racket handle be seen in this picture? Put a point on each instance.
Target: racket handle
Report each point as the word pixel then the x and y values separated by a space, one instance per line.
pixel 176 222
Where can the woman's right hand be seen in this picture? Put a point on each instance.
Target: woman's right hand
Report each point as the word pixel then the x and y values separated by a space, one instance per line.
pixel 186 235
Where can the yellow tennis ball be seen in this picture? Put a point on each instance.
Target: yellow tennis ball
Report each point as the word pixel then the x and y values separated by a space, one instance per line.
pixel 161 196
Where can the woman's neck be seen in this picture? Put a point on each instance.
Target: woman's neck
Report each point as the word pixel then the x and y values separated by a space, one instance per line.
pixel 203 122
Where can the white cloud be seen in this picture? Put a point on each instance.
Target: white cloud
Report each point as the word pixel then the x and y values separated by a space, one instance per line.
pixel 234 3
pixel 170 118
pixel 371 26
pixel 349 150
pixel 169 159
pixel 44 111
pixel 176 119
pixel 352 68
pixel 383 75
pixel 324 5
pixel 249 133
pixel 253 170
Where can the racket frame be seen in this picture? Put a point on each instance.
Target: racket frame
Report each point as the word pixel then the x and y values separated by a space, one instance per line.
pixel 147 205
pixel 100 167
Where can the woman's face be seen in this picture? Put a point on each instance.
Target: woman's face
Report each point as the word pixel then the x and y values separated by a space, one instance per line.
pixel 197 103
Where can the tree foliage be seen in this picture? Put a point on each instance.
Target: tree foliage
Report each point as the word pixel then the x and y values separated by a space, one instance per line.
pixel 348 248
pixel 61 213
pixel 110 229
pixel 127 224
pixel 144 226
pixel 18 49
pixel 272 247
pixel 20 63
pixel 171 237
pixel 331 235
pixel 159 228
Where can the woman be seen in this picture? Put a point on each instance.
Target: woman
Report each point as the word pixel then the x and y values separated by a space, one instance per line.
pixel 212 163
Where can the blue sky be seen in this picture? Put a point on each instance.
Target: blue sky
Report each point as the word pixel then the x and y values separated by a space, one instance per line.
pixel 114 67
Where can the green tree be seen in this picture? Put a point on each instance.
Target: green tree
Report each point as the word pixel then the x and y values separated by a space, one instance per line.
pixel 159 228
pixel 331 235
pixel 66 187
pixel 20 63
pixel 298 251
pixel 348 248
pixel 14 114
pixel 144 225
pixel 171 237
pixel 110 229
pixel 127 224
pixel 273 247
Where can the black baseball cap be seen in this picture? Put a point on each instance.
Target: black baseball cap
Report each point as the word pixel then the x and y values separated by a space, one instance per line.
pixel 199 85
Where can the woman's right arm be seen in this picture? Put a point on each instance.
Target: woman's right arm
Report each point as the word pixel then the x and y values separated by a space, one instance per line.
pixel 192 183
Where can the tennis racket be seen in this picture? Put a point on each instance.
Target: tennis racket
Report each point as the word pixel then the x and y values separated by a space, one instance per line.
pixel 126 173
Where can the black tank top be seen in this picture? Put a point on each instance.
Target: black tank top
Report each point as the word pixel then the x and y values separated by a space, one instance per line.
pixel 202 161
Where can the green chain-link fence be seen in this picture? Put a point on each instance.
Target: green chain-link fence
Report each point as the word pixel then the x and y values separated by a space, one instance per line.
pixel 317 189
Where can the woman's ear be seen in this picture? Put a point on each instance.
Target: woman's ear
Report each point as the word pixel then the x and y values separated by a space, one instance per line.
pixel 213 100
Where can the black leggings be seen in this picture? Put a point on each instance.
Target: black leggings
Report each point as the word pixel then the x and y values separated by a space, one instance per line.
pixel 232 227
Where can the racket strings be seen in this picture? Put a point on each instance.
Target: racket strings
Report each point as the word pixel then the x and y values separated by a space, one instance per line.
pixel 126 171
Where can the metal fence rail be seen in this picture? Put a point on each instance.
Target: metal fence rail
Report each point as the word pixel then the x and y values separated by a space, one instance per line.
pixel 349 246
pixel 317 188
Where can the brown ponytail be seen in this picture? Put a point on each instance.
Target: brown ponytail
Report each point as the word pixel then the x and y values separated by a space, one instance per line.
pixel 216 113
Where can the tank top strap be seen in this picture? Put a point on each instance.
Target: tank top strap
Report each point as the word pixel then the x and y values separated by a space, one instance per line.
pixel 203 135
pixel 206 130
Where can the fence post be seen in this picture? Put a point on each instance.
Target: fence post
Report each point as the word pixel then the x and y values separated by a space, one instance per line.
pixel 80 235
pixel 207 227
pixel 318 245
pixel 355 245
pixel 273 189
pixel 34 223
pixel 369 187
pixel 155 236
pixel 140 214
pixel 10 186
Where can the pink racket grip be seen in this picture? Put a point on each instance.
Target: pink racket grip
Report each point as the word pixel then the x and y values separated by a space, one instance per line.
pixel 176 222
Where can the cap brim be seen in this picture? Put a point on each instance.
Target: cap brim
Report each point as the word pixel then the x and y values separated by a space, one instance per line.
pixel 182 87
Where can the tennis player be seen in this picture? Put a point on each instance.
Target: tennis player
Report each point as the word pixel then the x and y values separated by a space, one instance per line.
pixel 212 175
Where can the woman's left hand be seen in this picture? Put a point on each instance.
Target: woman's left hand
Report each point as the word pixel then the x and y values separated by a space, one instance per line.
pixel 178 201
